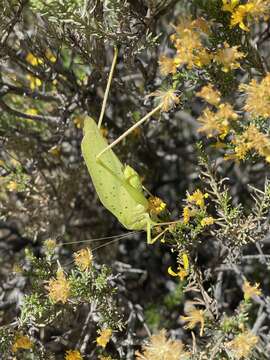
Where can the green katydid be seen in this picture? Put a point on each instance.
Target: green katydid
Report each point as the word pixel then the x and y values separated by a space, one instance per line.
pixel 119 187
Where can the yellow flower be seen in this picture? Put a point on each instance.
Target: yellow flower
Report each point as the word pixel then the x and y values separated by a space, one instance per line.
pixel 73 355
pixel 83 259
pixel 242 344
pixel 195 316
pixel 209 94
pixel 159 348
pixel 251 291
pixel 59 288
pixel 168 98
pixel 50 56
pixel 12 186
pixel 182 271
pixel 31 111
pixel 189 47
pixel 197 198
pixel 252 139
pixel 239 14
pixel 229 5
pixel 35 82
pixel 217 123
pixel 156 205
pixel 167 65
pixel 258 97
pixel 207 221
pixel 187 214
pixel 104 337
pixel 228 57
pixel 22 342
pixel 33 60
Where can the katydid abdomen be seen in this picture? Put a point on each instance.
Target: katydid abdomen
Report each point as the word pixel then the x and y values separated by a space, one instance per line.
pixel 125 202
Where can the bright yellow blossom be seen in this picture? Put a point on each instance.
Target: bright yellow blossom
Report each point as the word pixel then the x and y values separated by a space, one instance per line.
pixel 50 56
pixel 187 214
pixel 258 97
pixel 242 345
pixel 207 221
pixel 182 271
pixel 239 15
pixel 194 317
pixel 73 355
pixel 229 5
pixel 251 291
pixel 167 65
pixel 104 337
pixel 156 205
pixel 59 288
pixel 33 60
pixel 161 348
pixel 197 198
pixel 209 94
pixel 228 57
pixel 35 82
pixel 83 259
pixel 217 123
pixel 251 139
pixel 22 342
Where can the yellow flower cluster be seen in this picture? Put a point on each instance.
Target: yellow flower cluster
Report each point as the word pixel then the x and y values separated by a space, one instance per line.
pixel 59 288
pixel 258 97
pixel 251 139
pixel 156 205
pixel 73 355
pixel 35 82
pixel 228 57
pixel 161 348
pixel 197 199
pixel 182 271
pixel 104 337
pixel 83 259
pixel 217 123
pixel 33 60
pixel 251 291
pixel 209 94
pixel 22 342
pixel 209 220
pixel 253 9
pixel 194 317
pixel 242 345
pixel 190 50
pixel 188 41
